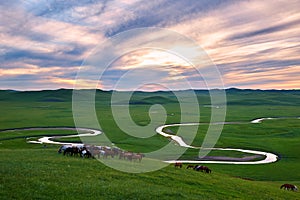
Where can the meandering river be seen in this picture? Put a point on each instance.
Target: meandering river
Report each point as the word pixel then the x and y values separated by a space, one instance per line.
pixel 269 157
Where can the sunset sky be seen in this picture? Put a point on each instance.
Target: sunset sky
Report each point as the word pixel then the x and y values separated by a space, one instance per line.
pixel 254 44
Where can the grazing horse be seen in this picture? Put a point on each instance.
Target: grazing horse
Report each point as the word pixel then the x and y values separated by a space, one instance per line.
pixel 71 151
pixel 207 170
pixel 116 151
pixel 76 151
pixel 63 148
pixel 137 156
pixel 190 166
pixel 97 151
pixel 68 151
pixel 109 152
pixel 126 155
pixel 202 169
pixel 85 153
pixel 122 155
pixel 289 187
pixel 178 164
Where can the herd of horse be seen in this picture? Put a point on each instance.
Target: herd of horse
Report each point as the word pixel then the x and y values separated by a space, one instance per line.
pixel 194 167
pixel 85 151
pixel 93 151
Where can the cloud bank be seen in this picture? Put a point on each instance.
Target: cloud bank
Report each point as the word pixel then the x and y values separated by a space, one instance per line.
pixel 254 44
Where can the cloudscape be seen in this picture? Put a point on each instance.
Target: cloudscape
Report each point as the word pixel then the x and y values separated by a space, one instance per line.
pixel 254 44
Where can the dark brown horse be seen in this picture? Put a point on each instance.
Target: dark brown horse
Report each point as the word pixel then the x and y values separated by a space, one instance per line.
pixel 71 151
pixel 63 148
pixel 202 169
pixel 178 164
pixel 190 166
pixel 289 187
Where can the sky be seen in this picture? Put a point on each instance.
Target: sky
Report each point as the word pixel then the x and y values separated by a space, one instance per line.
pixel 45 44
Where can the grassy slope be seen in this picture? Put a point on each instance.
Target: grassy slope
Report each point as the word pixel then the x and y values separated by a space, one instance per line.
pixel 30 171
pixel 33 172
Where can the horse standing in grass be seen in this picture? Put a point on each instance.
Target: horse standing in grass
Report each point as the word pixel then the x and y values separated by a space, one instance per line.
pixel 202 169
pixel 85 153
pixel 116 151
pixel 289 187
pixel 72 151
pixel 68 151
pixel 137 156
pixel 109 152
pixel 208 171
pixel 178 164
pixel 190 166
pixel 96 151
pixel 63 148
pixel 126 155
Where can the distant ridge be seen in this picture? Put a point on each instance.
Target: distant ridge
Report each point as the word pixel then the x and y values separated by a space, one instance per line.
pixel 141 91
pixel 234 96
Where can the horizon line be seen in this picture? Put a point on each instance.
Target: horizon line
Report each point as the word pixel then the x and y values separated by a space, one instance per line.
pixel 229 88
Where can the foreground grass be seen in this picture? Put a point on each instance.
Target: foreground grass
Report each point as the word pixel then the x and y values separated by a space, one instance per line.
pixel 41 173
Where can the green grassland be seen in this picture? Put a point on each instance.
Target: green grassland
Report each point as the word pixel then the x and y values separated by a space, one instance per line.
pixel 35 171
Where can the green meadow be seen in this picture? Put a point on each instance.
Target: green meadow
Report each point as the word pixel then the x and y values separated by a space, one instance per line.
pixel 37 171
